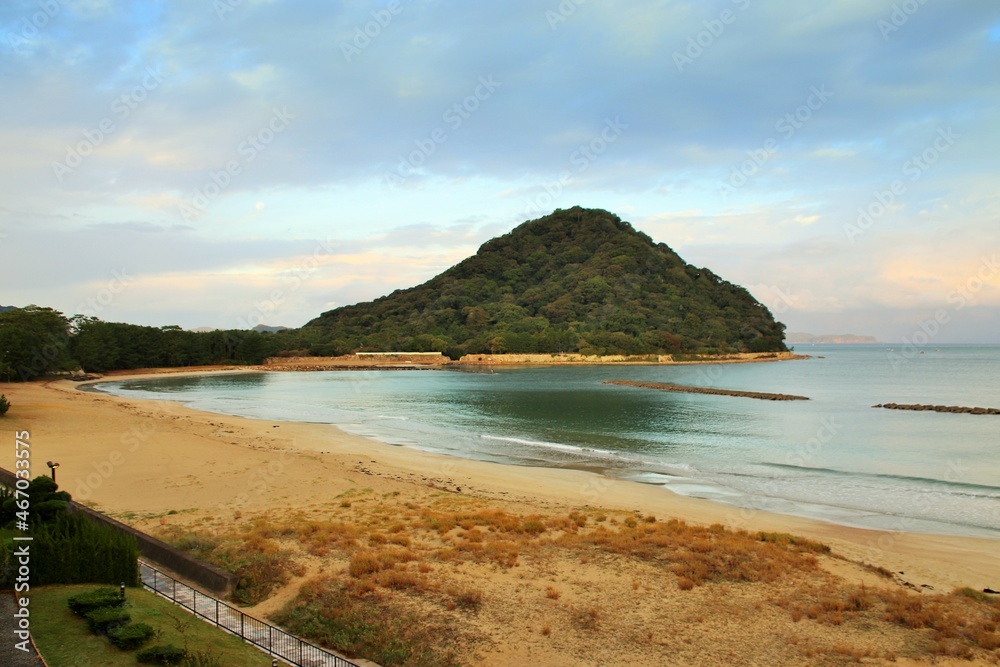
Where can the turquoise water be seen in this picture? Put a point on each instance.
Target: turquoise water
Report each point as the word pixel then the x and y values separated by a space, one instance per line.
pixel 832 457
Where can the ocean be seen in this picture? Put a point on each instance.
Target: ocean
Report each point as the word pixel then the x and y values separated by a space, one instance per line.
pixel 833 457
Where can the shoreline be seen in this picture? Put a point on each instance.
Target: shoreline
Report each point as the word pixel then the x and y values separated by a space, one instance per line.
pixel 848 518
pixel 203 464
pixel 429 361
pixel 646 473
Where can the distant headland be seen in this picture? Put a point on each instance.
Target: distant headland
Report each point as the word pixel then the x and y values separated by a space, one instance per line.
pixel 799 338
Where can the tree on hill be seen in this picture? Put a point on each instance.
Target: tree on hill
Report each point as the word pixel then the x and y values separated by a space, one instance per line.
pixel 576 280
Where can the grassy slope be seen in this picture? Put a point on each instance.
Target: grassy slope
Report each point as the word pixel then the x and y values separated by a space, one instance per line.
pixel 64 640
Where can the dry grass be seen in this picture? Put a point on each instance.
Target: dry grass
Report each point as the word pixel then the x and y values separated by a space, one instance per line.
pixel 260 562
pixel 372 626
pixel 961 624
pixel 409 559
pixel 698 554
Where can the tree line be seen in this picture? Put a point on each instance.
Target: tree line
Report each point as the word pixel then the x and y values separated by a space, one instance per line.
pixel 37 341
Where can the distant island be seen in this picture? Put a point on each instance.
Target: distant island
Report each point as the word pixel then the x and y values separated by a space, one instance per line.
pixel 794 338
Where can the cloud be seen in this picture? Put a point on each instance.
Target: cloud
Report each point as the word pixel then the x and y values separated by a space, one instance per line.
pixel 155 103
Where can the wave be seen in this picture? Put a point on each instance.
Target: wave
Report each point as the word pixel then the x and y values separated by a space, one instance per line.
pixel 593 452
pixel 990 490
pixel 549 445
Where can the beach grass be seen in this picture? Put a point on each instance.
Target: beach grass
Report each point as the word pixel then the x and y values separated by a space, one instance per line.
pixel 429 569
pixel 64 640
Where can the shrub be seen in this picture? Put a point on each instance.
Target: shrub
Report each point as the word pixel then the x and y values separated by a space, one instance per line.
pixel 466 598
pixel 72 549
pixel 4 405
pixel 130 637
pixel 203 659
pixel 102 621
pixel 372 627
pixel 96 599
pixel 161 655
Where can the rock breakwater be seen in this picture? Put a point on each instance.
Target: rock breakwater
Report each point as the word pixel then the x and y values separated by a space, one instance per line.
pixel 939 408
pixel 687 389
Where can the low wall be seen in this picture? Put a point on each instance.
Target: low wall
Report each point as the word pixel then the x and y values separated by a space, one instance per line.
pixel 211 578
pixel 360 360
pixel 574 358
pixel 557 358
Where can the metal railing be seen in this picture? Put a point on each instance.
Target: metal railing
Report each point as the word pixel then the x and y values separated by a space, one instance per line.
pixel 268 638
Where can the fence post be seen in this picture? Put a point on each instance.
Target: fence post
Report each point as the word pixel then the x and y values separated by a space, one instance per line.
pixel 216 613
pixel 174 595
pixel 270 638
pixel 243 635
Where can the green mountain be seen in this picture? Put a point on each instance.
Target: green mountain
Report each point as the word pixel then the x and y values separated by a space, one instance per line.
pixel 578 280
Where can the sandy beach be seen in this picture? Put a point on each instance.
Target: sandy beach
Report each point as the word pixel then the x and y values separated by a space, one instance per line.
pixel 155 464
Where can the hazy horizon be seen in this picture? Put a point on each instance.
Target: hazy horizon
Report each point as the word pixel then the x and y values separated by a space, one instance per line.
pixel 238 162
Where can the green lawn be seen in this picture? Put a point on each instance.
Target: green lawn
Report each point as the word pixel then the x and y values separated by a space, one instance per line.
pixel 64 640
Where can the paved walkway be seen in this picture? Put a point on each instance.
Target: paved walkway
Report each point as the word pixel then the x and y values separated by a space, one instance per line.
pixel 9 655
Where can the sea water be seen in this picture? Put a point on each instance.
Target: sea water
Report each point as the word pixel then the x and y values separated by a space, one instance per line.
pixel 833 457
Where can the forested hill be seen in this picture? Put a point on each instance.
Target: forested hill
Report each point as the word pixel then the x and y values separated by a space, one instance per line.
pixel 576 280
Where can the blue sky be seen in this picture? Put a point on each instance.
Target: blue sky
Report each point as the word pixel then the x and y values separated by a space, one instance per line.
pixel 225 162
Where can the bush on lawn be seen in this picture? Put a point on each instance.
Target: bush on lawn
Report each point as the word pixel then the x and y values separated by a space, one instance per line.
pixel 98 598
pixel 161 655
pixel 132 636
pixel 101 621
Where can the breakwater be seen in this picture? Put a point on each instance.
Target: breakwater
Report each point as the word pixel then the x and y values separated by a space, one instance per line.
pixel 939 408
pixel 686 389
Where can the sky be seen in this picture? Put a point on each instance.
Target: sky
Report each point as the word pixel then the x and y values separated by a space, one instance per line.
pixel 226 163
